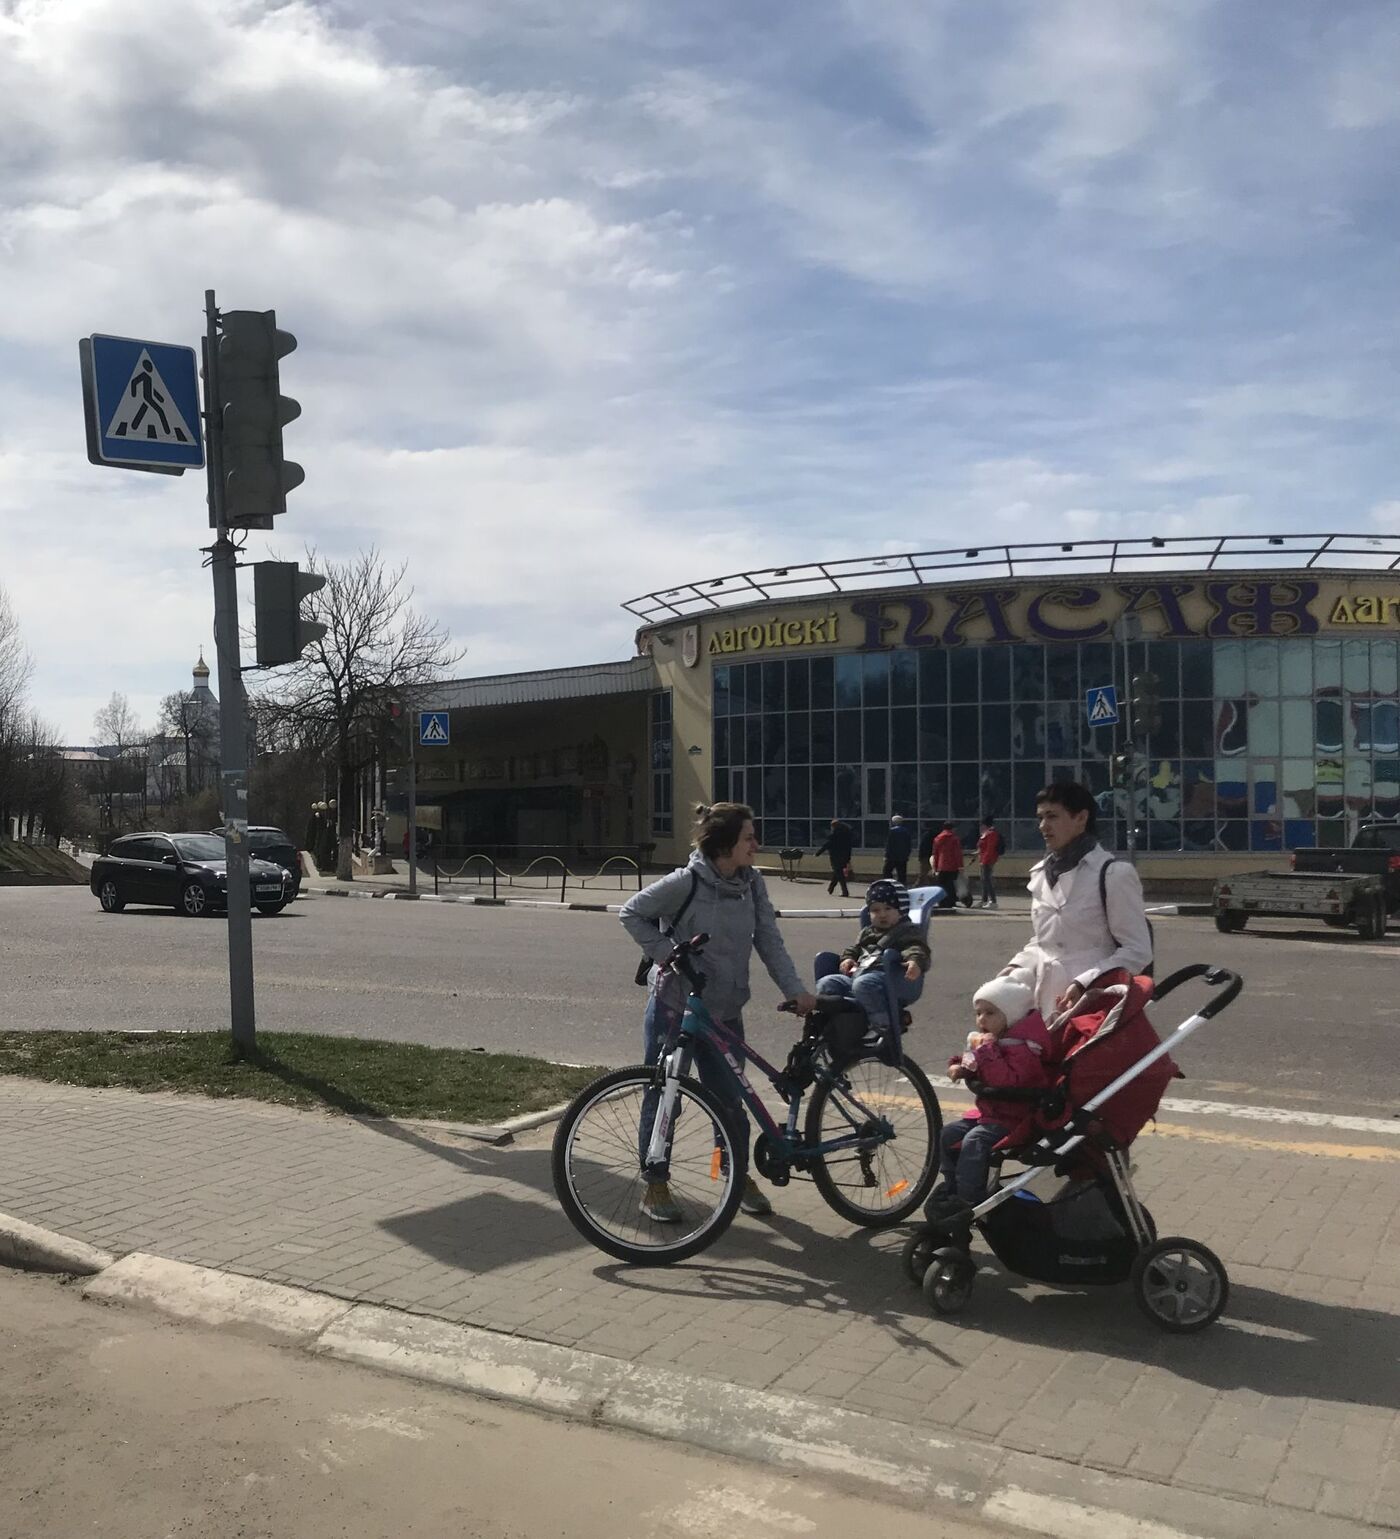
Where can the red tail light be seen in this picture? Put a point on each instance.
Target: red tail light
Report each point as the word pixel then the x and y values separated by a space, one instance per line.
pixel 1393 864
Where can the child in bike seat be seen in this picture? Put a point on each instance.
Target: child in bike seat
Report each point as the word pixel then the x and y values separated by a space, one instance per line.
pixel 862 975
pixel 1007 1047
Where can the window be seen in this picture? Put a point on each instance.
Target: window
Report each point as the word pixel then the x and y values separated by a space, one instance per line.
pixel 662 751
pixel 1262 741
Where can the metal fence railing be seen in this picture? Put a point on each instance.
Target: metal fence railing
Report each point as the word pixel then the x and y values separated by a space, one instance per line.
pixel 537 868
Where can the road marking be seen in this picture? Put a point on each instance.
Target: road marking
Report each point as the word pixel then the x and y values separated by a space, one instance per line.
pixel 1389 1127
pixel 1367 1152
pixel 1370 1152
pixel 1283 1116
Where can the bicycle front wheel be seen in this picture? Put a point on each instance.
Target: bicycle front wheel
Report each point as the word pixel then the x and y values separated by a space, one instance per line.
pixel 895 1115
pixel 599 1182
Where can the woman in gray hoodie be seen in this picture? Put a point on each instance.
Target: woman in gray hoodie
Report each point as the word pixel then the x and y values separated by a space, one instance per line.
pixel 725 898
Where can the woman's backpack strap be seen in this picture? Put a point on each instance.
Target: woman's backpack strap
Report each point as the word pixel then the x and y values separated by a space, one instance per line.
pixel 1103 898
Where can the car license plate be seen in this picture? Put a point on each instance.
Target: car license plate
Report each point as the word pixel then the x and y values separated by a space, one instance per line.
pixel 272 891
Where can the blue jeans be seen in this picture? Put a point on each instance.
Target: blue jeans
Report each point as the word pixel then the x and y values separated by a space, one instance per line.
pixel 965 1172
pixel 868 991
pixel 713 1072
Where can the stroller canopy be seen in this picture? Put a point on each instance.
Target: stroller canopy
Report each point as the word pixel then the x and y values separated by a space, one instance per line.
pixel 1106 1036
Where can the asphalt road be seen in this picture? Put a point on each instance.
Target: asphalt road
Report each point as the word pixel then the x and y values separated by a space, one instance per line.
pixel 1317 1025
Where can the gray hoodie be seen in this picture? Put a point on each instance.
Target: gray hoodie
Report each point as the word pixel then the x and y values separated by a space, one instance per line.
pixel 735 912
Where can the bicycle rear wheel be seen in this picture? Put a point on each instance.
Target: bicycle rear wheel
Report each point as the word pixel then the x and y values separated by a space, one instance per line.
pixel 598 1179
pixel 882 1184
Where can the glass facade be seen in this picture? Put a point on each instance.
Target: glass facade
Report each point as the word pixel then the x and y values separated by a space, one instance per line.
pixel 661 763
pixel 1263 744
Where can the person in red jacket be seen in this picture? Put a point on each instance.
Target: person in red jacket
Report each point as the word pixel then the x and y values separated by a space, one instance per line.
pixel 989 848
pixel 947 863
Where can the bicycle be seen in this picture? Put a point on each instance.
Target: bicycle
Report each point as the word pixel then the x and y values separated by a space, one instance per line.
pixel 869 1140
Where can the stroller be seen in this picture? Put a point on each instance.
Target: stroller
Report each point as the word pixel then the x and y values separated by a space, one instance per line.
pixel 1111 1072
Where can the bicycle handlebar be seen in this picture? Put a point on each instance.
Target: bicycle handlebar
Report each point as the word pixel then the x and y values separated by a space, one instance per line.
pixel 679 960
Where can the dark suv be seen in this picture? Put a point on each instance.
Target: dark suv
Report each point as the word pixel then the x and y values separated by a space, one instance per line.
pixel 185 872
pixel 276 845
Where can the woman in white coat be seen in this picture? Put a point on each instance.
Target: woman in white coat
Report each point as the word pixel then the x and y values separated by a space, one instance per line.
pixel 1084 921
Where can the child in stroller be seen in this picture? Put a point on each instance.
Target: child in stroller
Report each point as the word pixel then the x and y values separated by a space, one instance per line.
pixel 1110 1071
pixel 1007 1049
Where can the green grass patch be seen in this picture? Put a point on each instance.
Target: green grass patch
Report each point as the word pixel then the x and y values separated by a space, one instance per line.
pixel 366 1079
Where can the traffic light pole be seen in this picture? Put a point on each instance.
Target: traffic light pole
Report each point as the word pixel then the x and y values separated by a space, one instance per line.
pixel 232 712
pixel 1130 742
pixel 413 804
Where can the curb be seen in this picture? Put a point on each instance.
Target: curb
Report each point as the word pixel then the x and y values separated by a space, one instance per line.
pixel 1032 1493
pixel 29 1248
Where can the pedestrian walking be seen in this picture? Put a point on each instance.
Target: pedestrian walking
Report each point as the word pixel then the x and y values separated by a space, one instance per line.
pixel 720 894
pixel 989 850
pixel 947 863
pixel 898 844
pixel 838 846
pixel 1087 911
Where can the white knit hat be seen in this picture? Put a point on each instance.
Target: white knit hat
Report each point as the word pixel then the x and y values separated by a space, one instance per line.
pixel 1008 995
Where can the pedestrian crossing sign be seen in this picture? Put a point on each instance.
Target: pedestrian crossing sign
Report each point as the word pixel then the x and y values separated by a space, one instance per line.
pixel 1102 706
pixel 434 730
pixel 141 404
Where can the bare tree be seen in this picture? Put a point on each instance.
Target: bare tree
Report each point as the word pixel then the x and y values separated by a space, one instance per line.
pixel 16 666
pixel 115 725
pixel 190 719
pixel 333 700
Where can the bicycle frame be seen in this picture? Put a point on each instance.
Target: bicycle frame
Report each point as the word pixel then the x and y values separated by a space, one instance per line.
pixel 676 1059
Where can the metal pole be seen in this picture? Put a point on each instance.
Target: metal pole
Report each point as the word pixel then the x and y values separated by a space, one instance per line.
pixel 1131 747
pixel 232 714
pixel 413 803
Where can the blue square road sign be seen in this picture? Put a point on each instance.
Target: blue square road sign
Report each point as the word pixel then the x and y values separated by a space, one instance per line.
pixel 141 404
pixel 434 729
pixel 1101 706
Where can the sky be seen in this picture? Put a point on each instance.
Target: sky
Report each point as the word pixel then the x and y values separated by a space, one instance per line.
pixel 594 299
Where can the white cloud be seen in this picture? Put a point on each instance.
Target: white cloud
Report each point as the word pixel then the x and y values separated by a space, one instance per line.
pixel 592 301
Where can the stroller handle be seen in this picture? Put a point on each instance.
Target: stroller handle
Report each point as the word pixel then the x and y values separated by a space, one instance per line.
pixel 1216 977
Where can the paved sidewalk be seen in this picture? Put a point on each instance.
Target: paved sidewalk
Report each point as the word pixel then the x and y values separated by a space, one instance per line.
pixel 1293 1400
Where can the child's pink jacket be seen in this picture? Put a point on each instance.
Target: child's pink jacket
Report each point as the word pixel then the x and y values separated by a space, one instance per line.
pixel 1017 1058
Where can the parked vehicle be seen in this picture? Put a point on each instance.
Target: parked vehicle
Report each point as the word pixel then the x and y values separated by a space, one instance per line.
pixel 1357 887
pixel 276 845
pixel 186 872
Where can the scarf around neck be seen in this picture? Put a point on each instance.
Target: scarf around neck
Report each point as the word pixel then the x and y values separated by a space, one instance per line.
pixel 1060 861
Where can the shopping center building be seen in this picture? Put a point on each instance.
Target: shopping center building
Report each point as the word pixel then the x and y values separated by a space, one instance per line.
pixel 954 684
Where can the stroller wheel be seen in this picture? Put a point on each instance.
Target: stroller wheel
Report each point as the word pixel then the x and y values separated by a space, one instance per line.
pixel 947 1283
pixel 1180 1285
pixel 918 1255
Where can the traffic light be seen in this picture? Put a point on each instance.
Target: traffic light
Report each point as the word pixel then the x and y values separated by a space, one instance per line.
pixel 1122 770
pixel 282 633
pixel 252 414
pixel 1147 704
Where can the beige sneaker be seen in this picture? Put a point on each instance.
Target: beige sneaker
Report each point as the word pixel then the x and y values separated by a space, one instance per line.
pixel 754 1201
pixel 659 1205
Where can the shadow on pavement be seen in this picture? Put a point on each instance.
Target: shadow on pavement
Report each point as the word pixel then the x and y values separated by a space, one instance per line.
pixel 491 1228
pixel 1268 1342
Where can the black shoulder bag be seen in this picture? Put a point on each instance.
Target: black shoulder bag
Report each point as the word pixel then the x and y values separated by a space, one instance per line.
pixel 1151 967
pixel 644 966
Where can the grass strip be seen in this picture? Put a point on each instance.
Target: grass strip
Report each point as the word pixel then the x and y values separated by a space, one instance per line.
pixel 346 1074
